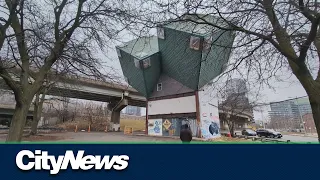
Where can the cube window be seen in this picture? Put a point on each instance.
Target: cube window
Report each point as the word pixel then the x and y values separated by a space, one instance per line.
pixel 146 63
pixel 207 43
pixel 142 63
pixel 194 42
pixel 137 63
pixel 159 86
pixel 160 32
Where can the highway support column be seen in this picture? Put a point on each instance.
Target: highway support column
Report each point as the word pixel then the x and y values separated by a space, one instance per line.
pixel 115 112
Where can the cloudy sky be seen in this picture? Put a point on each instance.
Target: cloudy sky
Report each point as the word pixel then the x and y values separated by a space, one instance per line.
pixel 283 90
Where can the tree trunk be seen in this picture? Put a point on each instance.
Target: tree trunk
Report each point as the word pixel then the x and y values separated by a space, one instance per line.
pixel 35 121
pixel 315 106
pixel 38 104
pixel 312 87
pixel 18 122
pixel 34 126
pixel 231 127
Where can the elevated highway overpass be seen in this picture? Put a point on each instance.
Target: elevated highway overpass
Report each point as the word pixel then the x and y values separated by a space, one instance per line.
pixel 87 89
pixel 7 110
pixel 116 95
pixel 6 113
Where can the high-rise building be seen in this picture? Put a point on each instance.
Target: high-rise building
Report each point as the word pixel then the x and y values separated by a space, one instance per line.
pixel 304 106
pixel 236 93
pixel 236 86
pixel 236 101
pixel 288 114
pixel 133 110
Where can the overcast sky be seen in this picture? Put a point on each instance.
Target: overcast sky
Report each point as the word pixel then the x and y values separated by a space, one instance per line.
pixel 290 89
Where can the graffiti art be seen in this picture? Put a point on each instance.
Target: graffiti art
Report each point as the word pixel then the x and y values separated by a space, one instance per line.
pixel 214 128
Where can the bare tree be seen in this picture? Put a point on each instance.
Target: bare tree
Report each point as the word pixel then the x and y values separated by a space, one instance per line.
pixel 44 33
pixel 285 122
pixel 37 111
pixel 89 108
pixel 9 13
pixel 65 109
pixel 60 108
pixel 271 37
pixel 237 104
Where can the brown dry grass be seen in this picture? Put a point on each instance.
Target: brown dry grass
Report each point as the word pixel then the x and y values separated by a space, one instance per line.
pixel 136 124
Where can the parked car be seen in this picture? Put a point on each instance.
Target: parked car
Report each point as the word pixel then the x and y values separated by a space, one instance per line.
pixel 268 133
pixel 248 132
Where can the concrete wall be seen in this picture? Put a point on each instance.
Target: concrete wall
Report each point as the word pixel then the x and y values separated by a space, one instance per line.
pixel 209 113
pixel 170 126
pixel 172 106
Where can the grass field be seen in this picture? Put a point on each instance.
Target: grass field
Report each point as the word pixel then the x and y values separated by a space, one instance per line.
pixel 136 124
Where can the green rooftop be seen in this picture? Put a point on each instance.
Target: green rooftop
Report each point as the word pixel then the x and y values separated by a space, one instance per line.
pixel 189 53
pixel 142 47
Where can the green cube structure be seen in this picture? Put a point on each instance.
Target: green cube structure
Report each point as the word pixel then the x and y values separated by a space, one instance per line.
pixel 186 54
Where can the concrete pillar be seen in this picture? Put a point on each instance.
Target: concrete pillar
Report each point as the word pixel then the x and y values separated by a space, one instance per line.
pixel 115 120
pixel 245 125
pixel 115 113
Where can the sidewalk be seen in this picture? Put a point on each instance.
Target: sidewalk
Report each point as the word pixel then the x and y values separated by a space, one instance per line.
pixel 302 135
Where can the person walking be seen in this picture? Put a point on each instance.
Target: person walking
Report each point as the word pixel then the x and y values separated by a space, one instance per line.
pixel 185 134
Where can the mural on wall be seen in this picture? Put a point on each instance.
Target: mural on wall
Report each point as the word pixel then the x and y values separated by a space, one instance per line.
pixel 192 124
pixel 209 113
pixel 171 127
pixel 155 127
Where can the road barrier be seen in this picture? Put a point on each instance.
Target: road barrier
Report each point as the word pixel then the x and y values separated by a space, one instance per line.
pixel 128 130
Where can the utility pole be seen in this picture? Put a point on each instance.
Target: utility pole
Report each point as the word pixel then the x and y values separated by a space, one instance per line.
pixel 301 119
pixel 262 119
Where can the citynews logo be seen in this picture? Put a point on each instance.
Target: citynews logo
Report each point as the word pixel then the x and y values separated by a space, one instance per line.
pixel 40 160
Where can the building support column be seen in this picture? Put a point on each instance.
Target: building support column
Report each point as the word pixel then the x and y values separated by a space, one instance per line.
pixel 115 112
pixel 198 114
pixel 146 129
pixel 115 120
